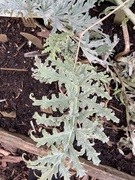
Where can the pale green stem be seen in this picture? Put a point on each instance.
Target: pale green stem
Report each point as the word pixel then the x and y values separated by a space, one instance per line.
pixel 127 11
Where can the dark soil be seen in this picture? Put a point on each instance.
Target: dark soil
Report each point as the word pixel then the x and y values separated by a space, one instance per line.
pixel 16 86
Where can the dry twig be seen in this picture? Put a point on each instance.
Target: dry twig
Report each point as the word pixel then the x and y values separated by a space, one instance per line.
pixel 126 41
pixel 13 69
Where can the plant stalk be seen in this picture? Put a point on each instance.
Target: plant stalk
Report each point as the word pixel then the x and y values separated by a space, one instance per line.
pixel 127 11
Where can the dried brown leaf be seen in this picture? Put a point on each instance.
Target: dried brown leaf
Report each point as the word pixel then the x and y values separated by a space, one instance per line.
pixel 48 110
pixel 3 38
pixel 12 114
pixel 36 41
pixel 44 34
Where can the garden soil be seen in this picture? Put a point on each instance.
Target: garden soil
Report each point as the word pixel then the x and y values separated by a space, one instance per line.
pixel 16 85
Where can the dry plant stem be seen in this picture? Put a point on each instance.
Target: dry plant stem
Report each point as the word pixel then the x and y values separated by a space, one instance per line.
pixel 108 91
pixel 126 41
pixel 83 32
pixel 116 109
pixel 33 54
pixel 127 11
pixel 125 95
pixel 2 100
pixel 13 69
